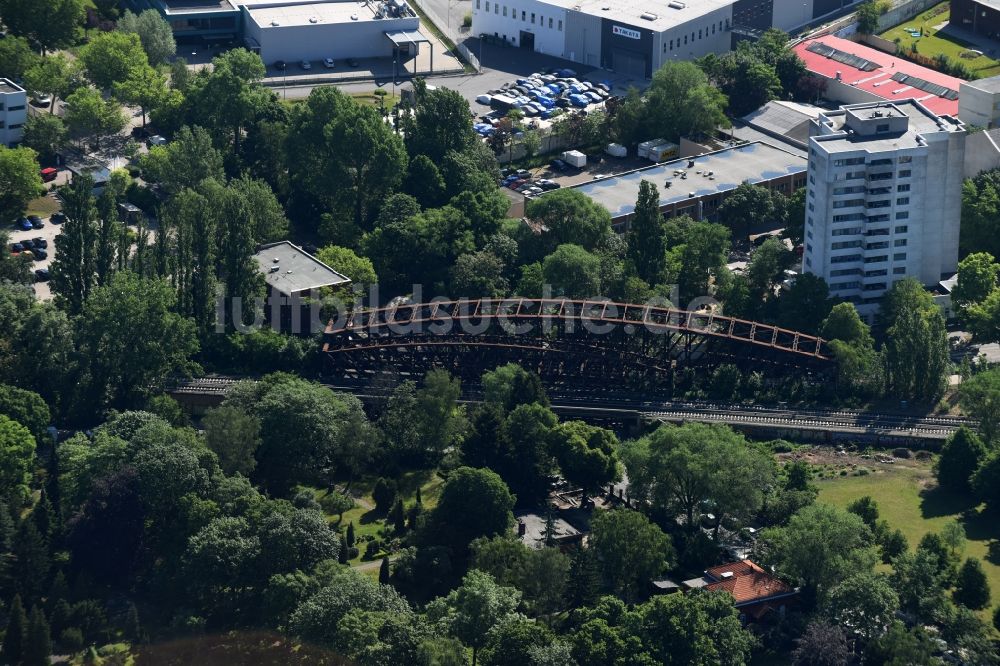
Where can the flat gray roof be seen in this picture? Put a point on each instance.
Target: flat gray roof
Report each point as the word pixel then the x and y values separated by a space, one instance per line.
pixel 753 162
pixel 311 14
pixel 920 121
pixel 784 119
pixel 8 86
pixel 297 270
pixel 534 529
pixel 661 15
pixel 990 85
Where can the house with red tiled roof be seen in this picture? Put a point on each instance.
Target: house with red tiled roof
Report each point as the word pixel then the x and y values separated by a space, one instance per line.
pixel 755 592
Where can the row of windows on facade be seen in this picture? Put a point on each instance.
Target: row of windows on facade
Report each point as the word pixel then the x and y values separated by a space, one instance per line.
pixel 671 42
pixel 524 15
pixel 13 108
pixel 852 258
pixel 856 231
pixel 857 189
pixel 852 161
pixel 877 245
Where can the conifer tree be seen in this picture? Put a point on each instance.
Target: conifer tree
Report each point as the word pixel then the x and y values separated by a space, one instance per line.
pixel 17 629
pixel 38 644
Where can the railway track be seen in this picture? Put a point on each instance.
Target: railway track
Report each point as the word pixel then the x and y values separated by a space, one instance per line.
pixel 581 403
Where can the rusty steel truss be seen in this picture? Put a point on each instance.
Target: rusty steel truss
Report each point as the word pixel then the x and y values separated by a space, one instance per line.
pixel 561 339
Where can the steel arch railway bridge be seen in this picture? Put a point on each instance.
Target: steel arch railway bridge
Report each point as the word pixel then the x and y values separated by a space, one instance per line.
pixel 563 340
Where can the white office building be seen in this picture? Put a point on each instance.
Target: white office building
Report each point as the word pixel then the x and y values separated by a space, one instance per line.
pixel 13 113
pixel 884 197
pixel 630 37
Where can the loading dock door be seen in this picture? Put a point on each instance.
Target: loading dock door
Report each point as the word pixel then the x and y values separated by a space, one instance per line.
pixel 527 40
pixel 629 63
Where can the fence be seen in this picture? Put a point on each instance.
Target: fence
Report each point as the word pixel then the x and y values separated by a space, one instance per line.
pixel 468 56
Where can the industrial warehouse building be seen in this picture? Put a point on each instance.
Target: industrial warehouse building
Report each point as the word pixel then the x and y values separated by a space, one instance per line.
pixel 636 37
pixel 698 185
pixel 294 30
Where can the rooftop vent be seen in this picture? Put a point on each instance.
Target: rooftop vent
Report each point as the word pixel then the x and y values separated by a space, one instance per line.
pixel 648 16
pixel 726 575
pixel 354 17
pixel 275 24
pixel 675 5
pixel 274 269
pixel 313 19
pixel 605 9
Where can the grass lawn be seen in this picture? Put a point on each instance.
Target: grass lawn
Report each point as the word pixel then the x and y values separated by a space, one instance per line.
pixel 908 497
pixel 368 523
pixel 43 206
pixel 933 42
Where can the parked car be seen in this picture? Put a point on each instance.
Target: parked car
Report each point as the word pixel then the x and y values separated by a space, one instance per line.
pixel 28 244
pixel 40 242
pixel 40 255
pixel 351 62
pixel 36 222
pixel 24 224
pixel 156 140
pixel 41 100
pixel 329 63
pixel 16 248
pixel 484 99
pixel 594 97
pixel 557 165
pixel 42 275
pixel 48 174
pixel 305 64
pixel 280 65
pixel 57 218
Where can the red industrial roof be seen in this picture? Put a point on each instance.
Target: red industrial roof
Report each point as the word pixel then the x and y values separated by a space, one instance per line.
pixel 879 81
pixel 748 583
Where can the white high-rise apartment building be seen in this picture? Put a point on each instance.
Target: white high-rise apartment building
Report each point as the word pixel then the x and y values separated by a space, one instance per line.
pixel 13 113
pixel 884 198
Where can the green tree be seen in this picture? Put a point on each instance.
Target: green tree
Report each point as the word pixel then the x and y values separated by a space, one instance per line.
pixel 27 408
pixel 980 214
pixel 154 33
pixel 865 602
pixel 972 589
pixel 234 436
pixel 697 629
pixel 820 546
pixel 900 645
pixel 473 503
pixel 45 134
pixel 511 385
pixel 977 277
pixel 961 456
pixel 132 338
pixel 868 16
pixel 186 161
pixel 473 609
pixel 805 305
pixel 986 481
pixel 90 116
pixel 74 267
pixel 54 76
pixel 573 272
pixel 19 181
pixel 37 644
pixel 916 349
pixel 144 87
pixel 587 455
pixel 110 57
pixel 16 57
pixel 347 262
pixel 630 550
pixel 570 217
pixel 980 398
pixel 983 319
pixel 440 123
pixel 17 454
pixel 843 323
pixel 750 207
pixel 51 23
pixel 647 243
pixel 17 630
pixel 384 571
pixel 681 101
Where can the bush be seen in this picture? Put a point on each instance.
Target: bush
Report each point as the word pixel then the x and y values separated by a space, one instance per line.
pixel 353 552
pixel 71 640
pixel 467 20
pixel 372 549
pixel 384 494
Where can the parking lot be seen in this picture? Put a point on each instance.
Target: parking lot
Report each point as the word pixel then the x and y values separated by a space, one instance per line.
pixel 48 232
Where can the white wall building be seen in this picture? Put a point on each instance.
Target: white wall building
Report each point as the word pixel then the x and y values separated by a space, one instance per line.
pixel 630 37
pixel 884 196
pixel 318 30
pixel 979 102
pixel 13 113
